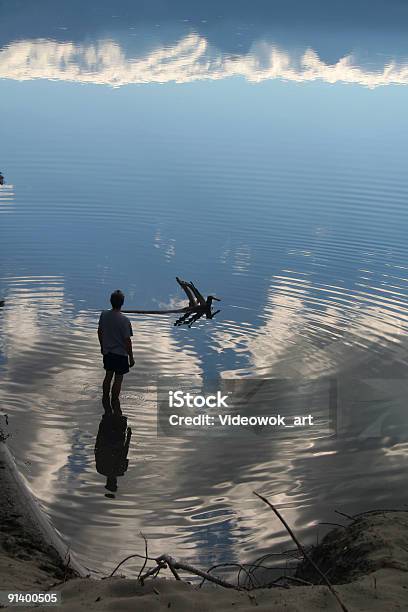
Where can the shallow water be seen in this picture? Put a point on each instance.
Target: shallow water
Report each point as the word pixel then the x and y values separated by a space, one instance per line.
pixel 268 164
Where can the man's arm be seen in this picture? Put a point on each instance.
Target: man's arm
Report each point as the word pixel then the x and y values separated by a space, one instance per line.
pixel 100 338
pixel 130 352
pixel 100 332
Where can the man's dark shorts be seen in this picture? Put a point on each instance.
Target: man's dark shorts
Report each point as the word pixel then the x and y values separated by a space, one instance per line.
pixel 116 363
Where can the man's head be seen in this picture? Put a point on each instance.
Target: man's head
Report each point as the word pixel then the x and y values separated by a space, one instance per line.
pixel 116 299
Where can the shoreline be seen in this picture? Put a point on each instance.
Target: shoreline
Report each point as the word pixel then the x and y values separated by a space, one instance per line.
pixel 366 561
pixel 32 554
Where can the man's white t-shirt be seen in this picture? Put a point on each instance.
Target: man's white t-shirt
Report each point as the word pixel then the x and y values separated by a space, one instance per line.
pixel 116 329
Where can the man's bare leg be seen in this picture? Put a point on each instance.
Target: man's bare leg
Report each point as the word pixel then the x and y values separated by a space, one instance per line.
pixel 106 388
pixel 116 387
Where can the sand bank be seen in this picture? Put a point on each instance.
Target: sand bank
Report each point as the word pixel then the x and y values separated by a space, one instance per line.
pixel 367 561
pixel 32 555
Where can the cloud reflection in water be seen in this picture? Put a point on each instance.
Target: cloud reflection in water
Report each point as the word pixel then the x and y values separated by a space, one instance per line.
pixel 190 59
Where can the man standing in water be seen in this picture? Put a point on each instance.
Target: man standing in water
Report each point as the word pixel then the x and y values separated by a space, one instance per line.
pixel 114 333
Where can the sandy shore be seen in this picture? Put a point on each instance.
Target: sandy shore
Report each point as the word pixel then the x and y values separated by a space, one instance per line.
pixel 28 560
pixel 367 561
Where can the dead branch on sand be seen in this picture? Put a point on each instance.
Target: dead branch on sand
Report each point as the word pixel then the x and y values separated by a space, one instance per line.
pixel 303 551
pixel 251 582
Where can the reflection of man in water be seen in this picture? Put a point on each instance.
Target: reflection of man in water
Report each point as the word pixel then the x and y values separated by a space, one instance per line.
pixel 111 449
pixel 114 333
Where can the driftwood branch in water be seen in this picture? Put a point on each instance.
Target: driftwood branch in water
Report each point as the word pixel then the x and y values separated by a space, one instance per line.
pixel 155 312
pixel 198 306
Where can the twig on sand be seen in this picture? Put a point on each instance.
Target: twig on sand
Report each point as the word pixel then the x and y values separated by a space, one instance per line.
pixel 180 565
pixel 302 550
pixel 165 561
pixel 240 567
pixel 146 556
pixel 354 517
pixel 127 559
pixel 174 572
pixel 378 511
pixel 293 578
pixel 299 580
pixel 67 562
pixel 347 516
pixel 152 572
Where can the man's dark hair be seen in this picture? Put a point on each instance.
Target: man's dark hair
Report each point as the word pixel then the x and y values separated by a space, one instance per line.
pixel 117 298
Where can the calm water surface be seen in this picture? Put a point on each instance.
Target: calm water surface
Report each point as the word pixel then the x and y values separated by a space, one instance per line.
pixel 263 161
